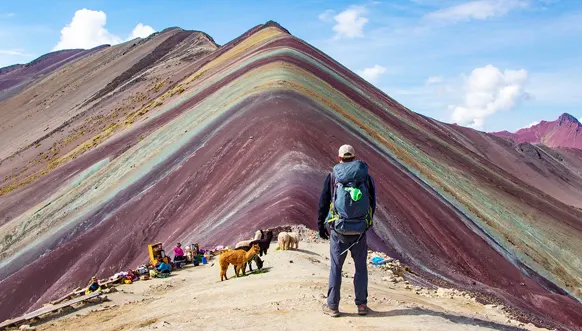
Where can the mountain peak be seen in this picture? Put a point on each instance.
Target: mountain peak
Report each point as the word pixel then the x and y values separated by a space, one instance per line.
pixel 272 23
pixel 563 132
pixel 567 118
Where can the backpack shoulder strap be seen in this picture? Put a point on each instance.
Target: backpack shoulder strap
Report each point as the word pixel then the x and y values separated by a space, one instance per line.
pixel 332 204
pixel 332 185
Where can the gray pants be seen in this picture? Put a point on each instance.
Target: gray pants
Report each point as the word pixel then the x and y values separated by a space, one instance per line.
pixel 339 243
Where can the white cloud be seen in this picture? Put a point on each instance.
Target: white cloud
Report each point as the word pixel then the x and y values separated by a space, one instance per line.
pixel 478 10
pixel 326 16
pixel 141 31
pixel 13 55
pixel 350 22
pixel 87 30
pixel 372 74
pixel 434 80
pixel 15 52
pixel 487 91
pixel 531 124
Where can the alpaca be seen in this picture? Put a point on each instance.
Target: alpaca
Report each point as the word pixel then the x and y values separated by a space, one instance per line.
pixel 255 258
pixel 258 235
pixel 264 243
pixel 293 239
pixel 283 241
pixel 238 258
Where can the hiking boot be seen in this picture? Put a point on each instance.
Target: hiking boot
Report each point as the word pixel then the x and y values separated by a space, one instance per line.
pixel 329 311
pixel 363 309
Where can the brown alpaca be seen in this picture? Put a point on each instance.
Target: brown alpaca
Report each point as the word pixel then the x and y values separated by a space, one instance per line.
pixel 236 257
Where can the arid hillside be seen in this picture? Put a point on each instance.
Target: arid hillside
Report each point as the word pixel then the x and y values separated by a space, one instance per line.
pixel 174 138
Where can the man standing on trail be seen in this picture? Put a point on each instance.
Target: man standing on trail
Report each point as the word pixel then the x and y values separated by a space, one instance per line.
pixel 346 206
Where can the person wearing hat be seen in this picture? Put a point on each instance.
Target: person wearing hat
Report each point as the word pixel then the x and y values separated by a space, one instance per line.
pixel 346 208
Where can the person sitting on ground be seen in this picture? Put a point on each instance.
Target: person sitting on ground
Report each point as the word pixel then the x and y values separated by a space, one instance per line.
pixel 179 253
pixel 162 267
pixel 179 257
pixel 93 286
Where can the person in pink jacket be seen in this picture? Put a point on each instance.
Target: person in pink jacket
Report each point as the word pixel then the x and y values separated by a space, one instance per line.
pixel 179 254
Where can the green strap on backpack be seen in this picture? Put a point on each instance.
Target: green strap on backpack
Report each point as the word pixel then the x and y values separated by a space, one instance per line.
pixel 355 193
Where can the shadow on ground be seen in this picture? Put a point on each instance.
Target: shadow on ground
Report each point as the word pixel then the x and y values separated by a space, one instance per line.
pixel 304 251
pixel 257 271
pixel 453 318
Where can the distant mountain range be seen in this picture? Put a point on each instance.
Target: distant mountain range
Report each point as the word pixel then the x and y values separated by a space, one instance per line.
pixel 566 131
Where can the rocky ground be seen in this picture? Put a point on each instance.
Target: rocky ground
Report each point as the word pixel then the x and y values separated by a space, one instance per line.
pixel 286 295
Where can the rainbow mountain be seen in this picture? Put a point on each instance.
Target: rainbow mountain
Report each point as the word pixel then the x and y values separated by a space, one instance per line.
pixel 175 138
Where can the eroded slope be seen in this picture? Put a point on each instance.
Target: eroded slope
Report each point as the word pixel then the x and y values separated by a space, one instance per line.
pixel 243 140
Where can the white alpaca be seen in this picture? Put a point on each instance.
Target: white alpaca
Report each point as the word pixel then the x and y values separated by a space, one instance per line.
pixel 293 239
pixel 258 235
pixel 283 241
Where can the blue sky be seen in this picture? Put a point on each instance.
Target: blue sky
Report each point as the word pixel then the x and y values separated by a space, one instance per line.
pixel 490 64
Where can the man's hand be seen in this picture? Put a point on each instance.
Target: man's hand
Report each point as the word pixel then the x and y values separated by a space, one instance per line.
pixel 323 233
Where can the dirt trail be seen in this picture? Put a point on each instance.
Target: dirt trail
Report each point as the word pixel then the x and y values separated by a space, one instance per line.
pixel 287 295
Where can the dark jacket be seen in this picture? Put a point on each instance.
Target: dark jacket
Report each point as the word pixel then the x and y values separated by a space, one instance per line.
pixel 325 199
